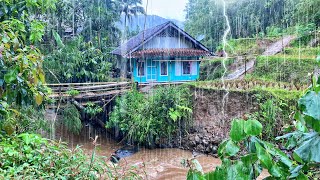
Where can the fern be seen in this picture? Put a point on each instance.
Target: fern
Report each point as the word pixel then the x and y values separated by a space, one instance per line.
pixel 71 119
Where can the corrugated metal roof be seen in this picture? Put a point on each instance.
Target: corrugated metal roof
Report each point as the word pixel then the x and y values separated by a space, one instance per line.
pixel 137 41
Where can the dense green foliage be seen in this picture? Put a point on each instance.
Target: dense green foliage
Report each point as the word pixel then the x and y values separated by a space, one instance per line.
pixel 147 119
pixel 80 35
pixel 273 114
pixel 21 76
pixel 28 156
pixel 302 161
pixel 250 18
pixel 23 95
pixel 71 119
pixel 77 61
pixel 213 69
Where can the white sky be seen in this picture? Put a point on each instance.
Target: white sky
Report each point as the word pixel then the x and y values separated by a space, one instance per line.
pixel 172 9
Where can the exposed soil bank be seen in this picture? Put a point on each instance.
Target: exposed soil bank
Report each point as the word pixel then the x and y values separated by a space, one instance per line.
pixel 213 111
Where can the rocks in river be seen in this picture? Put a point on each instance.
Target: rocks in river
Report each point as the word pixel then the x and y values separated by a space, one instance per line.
pixel 214 149
pixel 197 139
pixel 204 141
pixel 114 158
pixel 123 152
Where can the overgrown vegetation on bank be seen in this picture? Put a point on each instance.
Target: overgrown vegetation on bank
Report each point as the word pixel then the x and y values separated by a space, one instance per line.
pixel 23 96
pixel 148 119
pixel 298 160
pixel 273 104
pixel 29 156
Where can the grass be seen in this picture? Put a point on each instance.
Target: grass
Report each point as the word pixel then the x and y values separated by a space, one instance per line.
pixel 304 52
pixel 276 91
pixel 285 68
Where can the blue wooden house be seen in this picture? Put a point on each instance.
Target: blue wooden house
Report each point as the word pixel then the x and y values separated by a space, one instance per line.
pixel 164 53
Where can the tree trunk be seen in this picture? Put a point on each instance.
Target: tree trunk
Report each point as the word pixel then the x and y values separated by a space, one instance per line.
pixel 123 67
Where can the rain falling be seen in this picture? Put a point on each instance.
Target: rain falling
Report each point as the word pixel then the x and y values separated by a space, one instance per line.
pixel 159 89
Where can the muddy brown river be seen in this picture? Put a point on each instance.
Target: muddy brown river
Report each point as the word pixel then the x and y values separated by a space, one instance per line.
pixel 159 163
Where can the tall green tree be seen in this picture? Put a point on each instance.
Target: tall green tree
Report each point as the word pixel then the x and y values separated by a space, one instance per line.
pixel 128 8
pixel 248 18
pixel 21 76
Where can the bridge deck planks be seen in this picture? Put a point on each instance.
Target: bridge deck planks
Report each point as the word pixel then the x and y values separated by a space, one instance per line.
pixel 93 92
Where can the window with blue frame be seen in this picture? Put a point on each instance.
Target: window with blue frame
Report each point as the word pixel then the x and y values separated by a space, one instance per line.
pixel 186 67
pixel 163 68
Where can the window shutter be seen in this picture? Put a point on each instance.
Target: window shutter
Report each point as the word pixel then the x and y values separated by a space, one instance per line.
pixel 178 68
pixel 194 69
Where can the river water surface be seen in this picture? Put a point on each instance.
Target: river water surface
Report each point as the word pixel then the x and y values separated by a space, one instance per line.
pixel 159 163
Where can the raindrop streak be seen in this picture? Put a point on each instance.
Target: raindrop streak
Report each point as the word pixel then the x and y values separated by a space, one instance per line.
pixel 225 54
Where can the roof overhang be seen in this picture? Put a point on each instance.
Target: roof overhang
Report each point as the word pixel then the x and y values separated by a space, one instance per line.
pixel 176 52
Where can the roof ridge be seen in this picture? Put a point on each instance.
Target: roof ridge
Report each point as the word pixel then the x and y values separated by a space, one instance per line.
pixel 143 36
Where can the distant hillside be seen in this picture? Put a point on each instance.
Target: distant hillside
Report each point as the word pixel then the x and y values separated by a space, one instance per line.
pixel 151 21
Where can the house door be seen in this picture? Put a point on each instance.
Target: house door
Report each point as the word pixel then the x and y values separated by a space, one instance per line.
pixel 151 70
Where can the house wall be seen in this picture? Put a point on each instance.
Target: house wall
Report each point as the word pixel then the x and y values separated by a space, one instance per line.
pixel 174 72
pixel 167 43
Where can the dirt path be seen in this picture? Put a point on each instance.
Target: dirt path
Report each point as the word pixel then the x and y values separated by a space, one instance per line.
pixel 271 50
pixel 241 70
pixel 278 46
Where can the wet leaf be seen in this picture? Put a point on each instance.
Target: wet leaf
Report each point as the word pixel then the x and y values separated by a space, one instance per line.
pixel 237 130
pixel 302 177
pixel 39 99
pixel 5 39
pixel 249 159
pixel 318 59
pixel 310 104
pixel 197 165
pixel 58 39
pixel 42 78
pixel 253 127
pixel 264 156
pixel 32 57
pixel 275 171
pixel 308 151
pixel 231 148
pixel 192 175
pixel 7 45
pixel 10 76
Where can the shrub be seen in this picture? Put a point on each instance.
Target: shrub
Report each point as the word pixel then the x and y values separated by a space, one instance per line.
pixel 71 119
pixel 77 61
pixel 29 156
pixel 213 69
pixel 146 119
pixel 27 119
